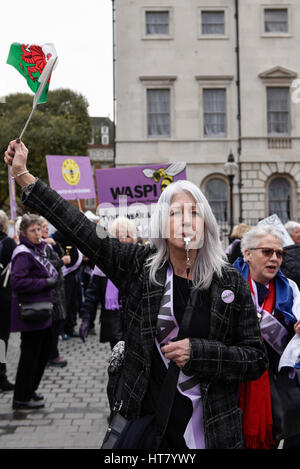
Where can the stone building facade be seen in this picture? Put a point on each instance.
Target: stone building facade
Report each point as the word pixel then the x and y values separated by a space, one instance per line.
pixel 198 79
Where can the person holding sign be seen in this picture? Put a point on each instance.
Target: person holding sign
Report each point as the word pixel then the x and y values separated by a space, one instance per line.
pixel 186 311
pixel 277 301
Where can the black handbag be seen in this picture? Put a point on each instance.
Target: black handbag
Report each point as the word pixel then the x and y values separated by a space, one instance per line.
pixel 36 312
pixel 147 432
pixel 285 400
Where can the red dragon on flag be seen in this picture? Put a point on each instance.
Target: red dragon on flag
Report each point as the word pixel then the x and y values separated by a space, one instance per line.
pixel 30 60
pixel 35 56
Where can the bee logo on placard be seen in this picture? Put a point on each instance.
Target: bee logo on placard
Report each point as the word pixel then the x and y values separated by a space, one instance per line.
pixel 71 172
pixel 165 175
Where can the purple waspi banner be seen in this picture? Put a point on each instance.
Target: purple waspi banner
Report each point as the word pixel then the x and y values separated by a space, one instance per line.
pixel 142 184
pixel 71 176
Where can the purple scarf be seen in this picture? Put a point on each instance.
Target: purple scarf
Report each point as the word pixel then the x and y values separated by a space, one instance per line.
pixel 111 296
pixel 189 386
pixel 111 292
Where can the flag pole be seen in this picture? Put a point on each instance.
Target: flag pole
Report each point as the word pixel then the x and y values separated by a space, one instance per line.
pixel 79 205
pixel 25 126
pixel 43 81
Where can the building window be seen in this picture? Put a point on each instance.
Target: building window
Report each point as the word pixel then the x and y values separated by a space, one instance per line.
pixel 158 112
pixel 280 199
pixel 278 114
pixel 157 23
pixel 276 20
pixel 213 22
pixel 214 112
pixel 217 195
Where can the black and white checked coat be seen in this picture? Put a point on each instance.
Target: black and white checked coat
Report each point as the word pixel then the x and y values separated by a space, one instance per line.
pixel 232 353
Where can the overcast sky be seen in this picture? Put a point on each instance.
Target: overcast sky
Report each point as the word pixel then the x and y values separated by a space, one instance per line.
pixel 82 34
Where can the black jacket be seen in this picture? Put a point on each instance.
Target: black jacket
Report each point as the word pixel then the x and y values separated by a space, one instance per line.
pixel 233 352
pixel 59 298
pixel 8 248
pixel 290 266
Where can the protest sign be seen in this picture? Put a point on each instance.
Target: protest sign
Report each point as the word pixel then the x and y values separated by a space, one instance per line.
pixel 133 192
pixel 275 221
pixel 71 176
pixel 142 184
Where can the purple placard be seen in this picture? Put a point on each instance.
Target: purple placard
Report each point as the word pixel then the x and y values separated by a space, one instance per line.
pixel 71 176
pixel 142 184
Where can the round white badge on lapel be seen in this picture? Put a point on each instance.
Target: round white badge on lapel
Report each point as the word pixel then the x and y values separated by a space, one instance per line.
pixel 227 296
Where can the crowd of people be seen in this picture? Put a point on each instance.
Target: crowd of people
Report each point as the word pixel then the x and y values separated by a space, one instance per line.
pixel 217 325
pixel 37 267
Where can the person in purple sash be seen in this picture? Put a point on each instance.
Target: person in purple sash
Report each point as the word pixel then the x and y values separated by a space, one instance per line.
pixel 277 301
pixel 222 347
pixel 32 279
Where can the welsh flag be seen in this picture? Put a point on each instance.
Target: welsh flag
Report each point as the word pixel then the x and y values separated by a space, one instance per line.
pixel 31 61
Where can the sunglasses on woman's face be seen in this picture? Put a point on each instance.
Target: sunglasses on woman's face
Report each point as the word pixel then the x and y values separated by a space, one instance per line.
pixel 268 252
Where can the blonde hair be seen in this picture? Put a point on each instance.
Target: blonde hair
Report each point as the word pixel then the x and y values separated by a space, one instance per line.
pixel 239 230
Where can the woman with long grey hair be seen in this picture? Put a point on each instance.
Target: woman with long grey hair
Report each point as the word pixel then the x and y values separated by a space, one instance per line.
pixel 209 257
pixel 181 274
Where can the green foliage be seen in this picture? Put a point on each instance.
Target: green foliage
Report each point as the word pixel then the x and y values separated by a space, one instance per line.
pixel 61 126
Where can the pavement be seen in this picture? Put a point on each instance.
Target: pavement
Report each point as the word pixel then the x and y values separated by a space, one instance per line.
pixel 76 405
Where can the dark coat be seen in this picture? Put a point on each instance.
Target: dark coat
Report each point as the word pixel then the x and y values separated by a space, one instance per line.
pixel 233 353
pixel 8 248
pixel 29 284
pixel 291 263
pixel 59 297
pixel 5 292
pixel 110 321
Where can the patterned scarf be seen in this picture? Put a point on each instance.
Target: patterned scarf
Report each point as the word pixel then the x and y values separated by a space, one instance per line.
pixel 166 330
pixel 255 396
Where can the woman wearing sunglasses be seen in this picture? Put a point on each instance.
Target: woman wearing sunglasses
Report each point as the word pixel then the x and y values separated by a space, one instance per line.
pixel 277 301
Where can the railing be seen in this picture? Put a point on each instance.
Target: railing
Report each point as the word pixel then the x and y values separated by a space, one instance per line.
pixel 280 143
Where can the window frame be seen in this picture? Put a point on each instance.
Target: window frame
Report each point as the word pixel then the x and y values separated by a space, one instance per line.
pixel 157 82
pixel 288 134
pixel 154 37
pixel 292 194
pixel 215 135
pixel 219 177
pixel 273 34
pixel 220 8
pixel 215 82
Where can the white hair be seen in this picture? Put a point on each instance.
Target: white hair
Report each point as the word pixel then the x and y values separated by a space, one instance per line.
pixel 210 257
pixel 290 226
pixel 3 222
pixel 251 238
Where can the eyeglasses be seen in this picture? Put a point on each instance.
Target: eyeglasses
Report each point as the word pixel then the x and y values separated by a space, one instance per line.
pixel 268 252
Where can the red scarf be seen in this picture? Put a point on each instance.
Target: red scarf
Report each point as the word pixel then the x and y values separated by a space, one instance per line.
pixel 255 399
